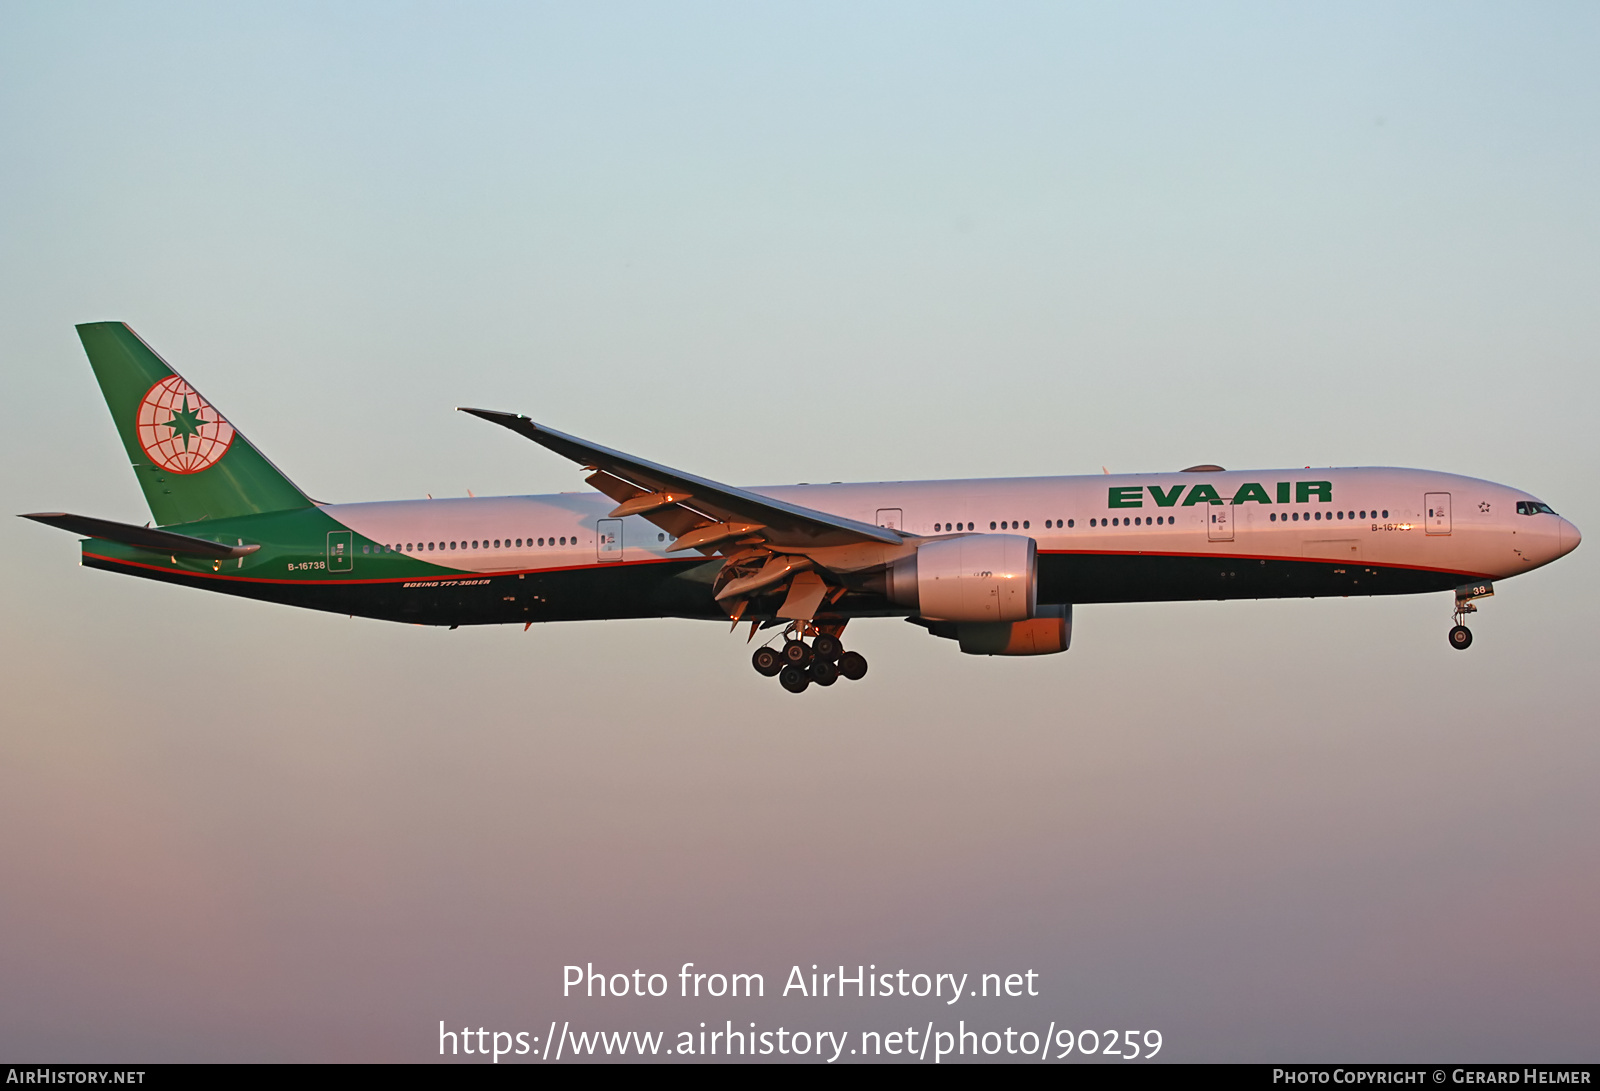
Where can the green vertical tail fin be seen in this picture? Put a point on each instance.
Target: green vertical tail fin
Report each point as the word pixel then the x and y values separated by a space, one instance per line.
pixel 189 460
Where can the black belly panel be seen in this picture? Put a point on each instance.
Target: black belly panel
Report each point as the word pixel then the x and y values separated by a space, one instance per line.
pixel 1147 577
pixel 668 589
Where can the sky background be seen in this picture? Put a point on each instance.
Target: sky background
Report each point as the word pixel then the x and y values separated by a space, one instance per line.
pixel 774 243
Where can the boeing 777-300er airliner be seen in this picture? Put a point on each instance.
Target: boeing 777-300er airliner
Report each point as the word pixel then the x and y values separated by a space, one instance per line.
pixel 995 565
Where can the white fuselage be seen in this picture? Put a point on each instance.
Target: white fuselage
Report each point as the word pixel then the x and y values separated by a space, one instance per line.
pixel 1367 516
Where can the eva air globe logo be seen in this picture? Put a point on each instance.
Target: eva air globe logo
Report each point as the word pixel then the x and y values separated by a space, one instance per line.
pixel 179 430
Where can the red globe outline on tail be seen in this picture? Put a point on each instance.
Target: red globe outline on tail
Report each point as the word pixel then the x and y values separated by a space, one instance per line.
pixel 160 420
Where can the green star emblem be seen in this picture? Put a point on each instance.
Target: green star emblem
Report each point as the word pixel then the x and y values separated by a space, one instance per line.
pixel 185 422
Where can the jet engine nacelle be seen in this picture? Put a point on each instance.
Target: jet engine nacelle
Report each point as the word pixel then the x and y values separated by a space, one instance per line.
pixel 1046 634
pixel 978 578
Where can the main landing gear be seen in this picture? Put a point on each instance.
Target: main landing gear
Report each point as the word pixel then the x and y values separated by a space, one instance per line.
pixel 798 664
pixel 1460 635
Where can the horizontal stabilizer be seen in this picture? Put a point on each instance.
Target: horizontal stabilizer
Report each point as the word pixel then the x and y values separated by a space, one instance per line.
pixel 157 541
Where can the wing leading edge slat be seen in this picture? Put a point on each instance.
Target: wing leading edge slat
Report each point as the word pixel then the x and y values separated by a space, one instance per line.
pixel 783 524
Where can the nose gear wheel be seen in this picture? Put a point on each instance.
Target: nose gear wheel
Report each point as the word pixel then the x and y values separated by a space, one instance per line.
pixel 1460 635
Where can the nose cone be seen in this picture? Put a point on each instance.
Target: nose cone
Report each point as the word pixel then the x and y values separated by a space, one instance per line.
pixel 1568 538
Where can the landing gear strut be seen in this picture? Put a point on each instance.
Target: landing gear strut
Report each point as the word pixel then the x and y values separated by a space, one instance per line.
pixel 798 664
pixel 1460 635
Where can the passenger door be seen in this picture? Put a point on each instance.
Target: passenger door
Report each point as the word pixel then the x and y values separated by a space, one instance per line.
pixel 1220 528
pixel 893 518
pixel 608 540
pixel 341 551
pixel 1436 505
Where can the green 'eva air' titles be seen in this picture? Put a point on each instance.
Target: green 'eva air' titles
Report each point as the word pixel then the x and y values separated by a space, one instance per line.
pixel 1251 492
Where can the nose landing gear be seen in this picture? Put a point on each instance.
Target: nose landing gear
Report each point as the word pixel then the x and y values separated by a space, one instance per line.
pixel 1460 635
pixel 798 664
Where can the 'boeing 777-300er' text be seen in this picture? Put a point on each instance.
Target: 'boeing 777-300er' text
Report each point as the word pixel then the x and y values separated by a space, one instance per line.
pixel 995 565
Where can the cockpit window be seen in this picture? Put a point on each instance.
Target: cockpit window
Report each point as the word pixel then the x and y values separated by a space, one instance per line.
pixel 1534 507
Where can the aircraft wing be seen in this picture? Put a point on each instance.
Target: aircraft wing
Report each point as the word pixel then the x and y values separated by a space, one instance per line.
pixel 652 490
pixel 770 547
